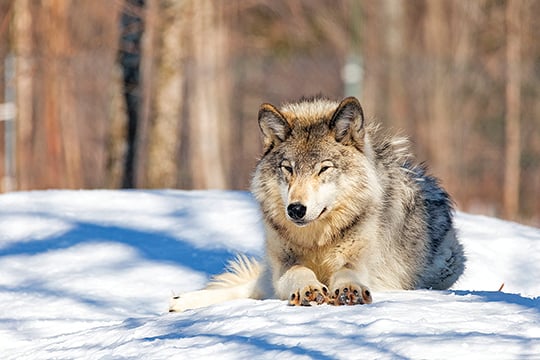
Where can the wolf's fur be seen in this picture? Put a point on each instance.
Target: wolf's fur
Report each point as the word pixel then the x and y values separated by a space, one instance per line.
pixel 344 210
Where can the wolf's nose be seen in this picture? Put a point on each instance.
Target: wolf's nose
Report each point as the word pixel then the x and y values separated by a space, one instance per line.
pixel 296 211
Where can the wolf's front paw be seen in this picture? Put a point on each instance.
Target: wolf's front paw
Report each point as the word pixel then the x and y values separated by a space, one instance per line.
pixel 352 294
pixel 309 295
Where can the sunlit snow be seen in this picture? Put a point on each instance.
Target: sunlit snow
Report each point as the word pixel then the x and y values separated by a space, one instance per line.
pixel 89 274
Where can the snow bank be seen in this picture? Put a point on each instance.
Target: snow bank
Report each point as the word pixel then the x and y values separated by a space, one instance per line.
pixel 88 274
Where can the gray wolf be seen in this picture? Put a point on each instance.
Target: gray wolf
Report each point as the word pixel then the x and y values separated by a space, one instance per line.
pixel 345 210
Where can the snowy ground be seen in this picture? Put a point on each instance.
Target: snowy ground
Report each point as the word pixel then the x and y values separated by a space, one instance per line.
pixel 88 275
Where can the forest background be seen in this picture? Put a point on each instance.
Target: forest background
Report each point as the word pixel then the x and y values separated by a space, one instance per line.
pixel 165 93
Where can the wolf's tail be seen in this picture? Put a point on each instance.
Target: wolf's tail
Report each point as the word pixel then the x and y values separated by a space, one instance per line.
pixel 239 281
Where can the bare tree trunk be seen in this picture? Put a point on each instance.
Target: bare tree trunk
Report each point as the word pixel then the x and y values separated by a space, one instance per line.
pixel 163 78
pixel 438 43
pixel 6 11
pixel 372 39
pixel 464 24
pixel 513 105
pixel 148 57
pixel 25 82
pixel 65 68
pixel 61 128
pixel 397 104
pixel 116 144
pixel 184 135
pixel 209 116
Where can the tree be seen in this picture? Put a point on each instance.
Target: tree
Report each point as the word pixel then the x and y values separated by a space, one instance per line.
pixel 67 91
pixel 184 132
pixel 512 167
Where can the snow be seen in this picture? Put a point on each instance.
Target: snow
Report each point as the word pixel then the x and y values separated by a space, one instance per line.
pixel 89 274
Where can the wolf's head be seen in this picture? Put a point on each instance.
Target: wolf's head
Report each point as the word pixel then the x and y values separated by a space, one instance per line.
pixel 311 148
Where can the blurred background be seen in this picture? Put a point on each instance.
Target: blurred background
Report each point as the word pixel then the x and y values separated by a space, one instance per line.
pixel 165 94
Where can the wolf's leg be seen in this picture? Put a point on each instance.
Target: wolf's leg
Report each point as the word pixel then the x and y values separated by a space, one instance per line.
pixel 300 286
pixel 348 289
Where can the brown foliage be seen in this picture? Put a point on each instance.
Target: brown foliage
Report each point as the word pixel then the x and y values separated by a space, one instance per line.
pixel 446 73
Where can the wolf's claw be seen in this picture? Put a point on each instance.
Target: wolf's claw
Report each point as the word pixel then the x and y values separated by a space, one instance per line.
pixel 309 295
pixel 352 295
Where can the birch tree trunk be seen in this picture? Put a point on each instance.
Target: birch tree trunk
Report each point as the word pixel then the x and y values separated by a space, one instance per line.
pixel 184 131
pixel 209 92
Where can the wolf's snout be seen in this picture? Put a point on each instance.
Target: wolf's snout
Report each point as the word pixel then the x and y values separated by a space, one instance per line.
pixel 296 211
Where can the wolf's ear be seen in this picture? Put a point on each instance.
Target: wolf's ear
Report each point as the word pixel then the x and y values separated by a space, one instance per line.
pixel 274 127
pixel 348 121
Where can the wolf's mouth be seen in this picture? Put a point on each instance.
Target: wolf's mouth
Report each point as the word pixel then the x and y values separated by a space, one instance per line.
pixel 303 222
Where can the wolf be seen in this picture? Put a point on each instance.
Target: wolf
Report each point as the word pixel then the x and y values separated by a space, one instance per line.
pixel 345 211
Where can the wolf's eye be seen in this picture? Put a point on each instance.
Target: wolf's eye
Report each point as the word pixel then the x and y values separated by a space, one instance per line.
pixel 287 169
pixel 325 166
pixel 323 169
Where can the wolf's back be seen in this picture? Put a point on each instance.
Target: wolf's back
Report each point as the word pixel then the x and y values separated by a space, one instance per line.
pixel 446 258
pixel 439 209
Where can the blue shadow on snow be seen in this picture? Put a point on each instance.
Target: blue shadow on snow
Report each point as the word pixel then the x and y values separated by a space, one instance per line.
pixel 499 296
pixel 150 245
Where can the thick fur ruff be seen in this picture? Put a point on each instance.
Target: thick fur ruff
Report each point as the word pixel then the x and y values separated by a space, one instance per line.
pixel 345 212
